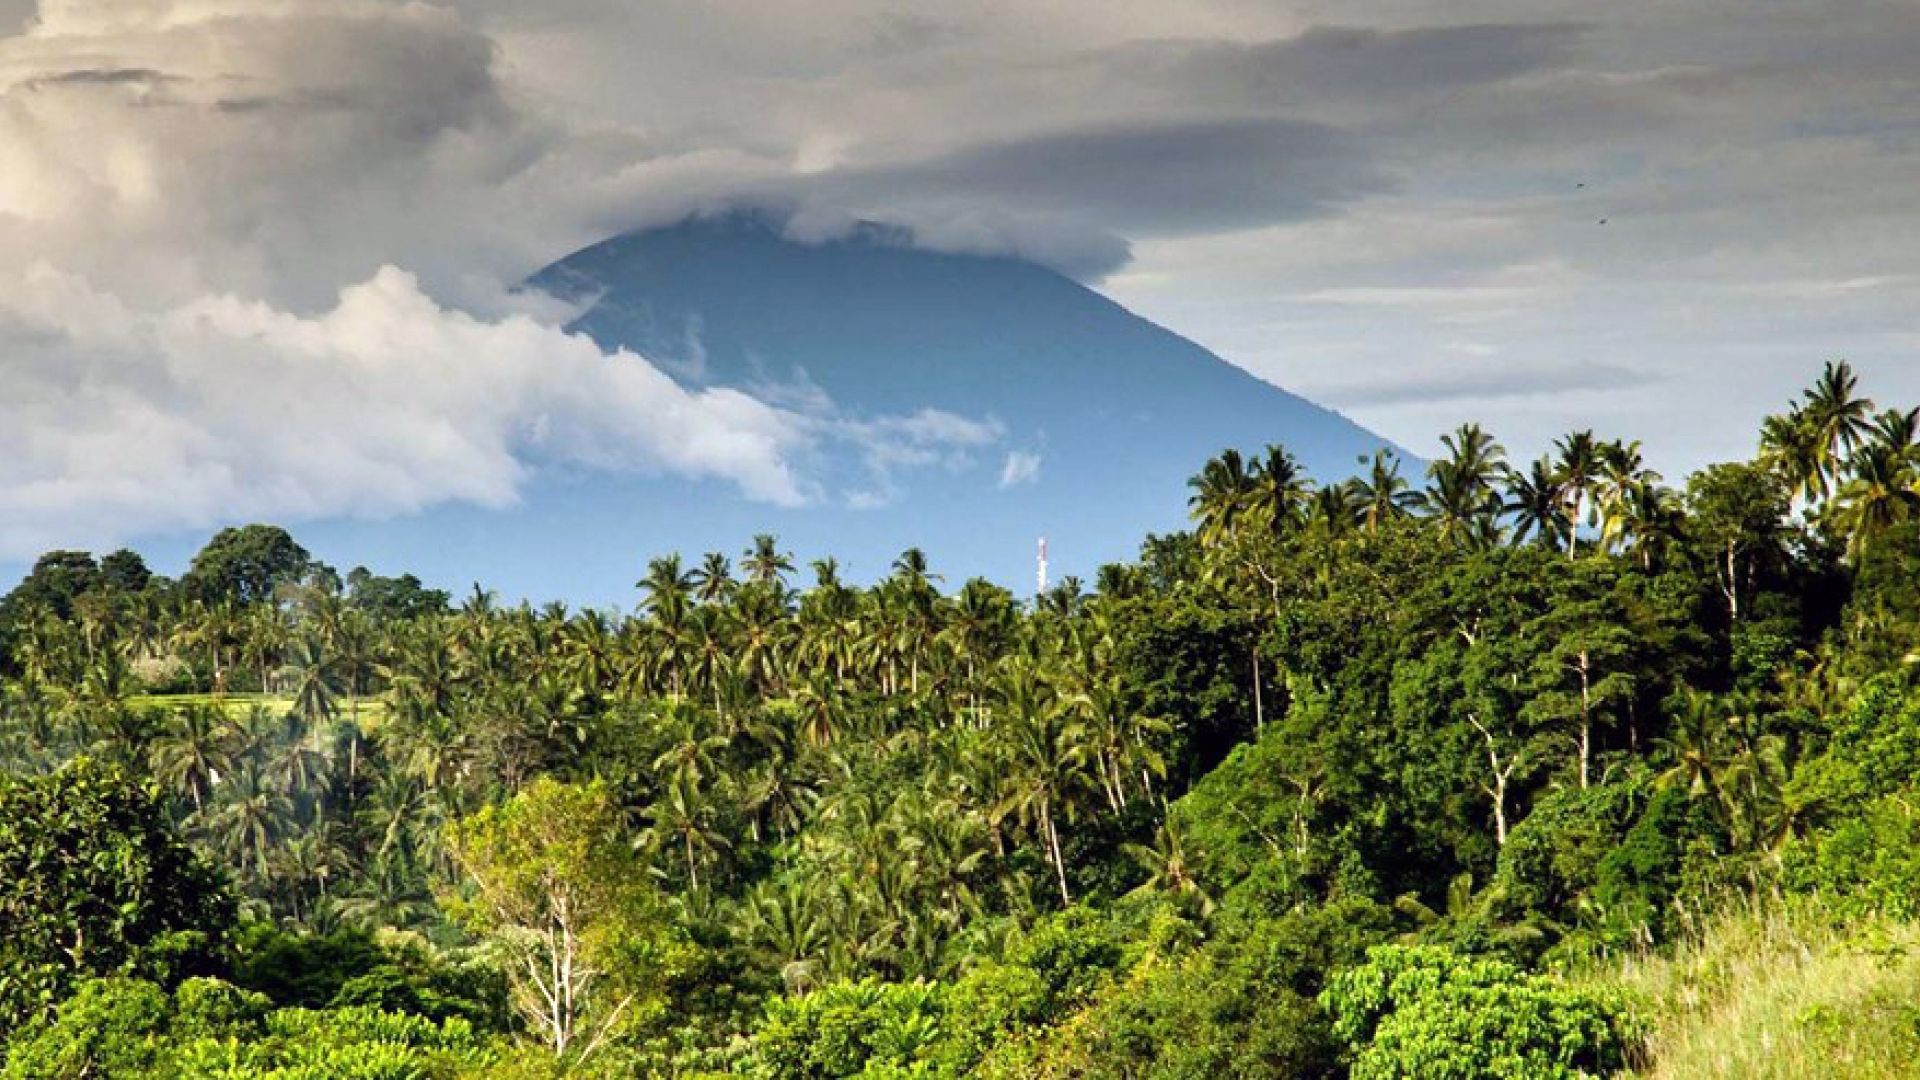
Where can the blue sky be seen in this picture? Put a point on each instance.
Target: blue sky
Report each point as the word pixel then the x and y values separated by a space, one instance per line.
pixel 244 243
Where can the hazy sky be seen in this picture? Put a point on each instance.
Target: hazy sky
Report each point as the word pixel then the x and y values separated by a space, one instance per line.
pixel 248 248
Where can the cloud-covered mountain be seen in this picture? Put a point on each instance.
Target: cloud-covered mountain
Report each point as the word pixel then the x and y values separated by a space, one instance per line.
pixel 855 396
pixel 982 402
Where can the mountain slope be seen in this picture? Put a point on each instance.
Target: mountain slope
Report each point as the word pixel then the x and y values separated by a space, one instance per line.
pixel 1107 412
pixel 1085 420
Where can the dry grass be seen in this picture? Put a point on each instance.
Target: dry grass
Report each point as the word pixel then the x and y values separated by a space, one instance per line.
pixel 1766 992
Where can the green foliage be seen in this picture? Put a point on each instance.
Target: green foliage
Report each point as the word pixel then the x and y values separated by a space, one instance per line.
pixel 1873 751
pixel 1866 864
pixel 303 970
pixel 1550 714
pixel 1866 859
pixel 56 581
pixel 1552 860
pixel 1426 1012
pixel 350 967
pixel 245 565
pixel 1239 1004
pixel 95 881
pixel 1637 881
pixel 588 950
pixel 393 598
pixel 128 1029
pixel 848 1028
pixel 110 1027
pixel 871 1028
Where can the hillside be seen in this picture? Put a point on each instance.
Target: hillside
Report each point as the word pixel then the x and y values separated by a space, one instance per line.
pixel 1555 773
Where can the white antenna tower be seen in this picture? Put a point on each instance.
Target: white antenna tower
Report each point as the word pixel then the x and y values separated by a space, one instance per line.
pixel 1041 574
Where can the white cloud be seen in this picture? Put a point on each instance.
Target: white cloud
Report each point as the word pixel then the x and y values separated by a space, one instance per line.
pixel 214 196
pixel 1021 467
pixel 929 438
pixel 118 420
pixel 1327 207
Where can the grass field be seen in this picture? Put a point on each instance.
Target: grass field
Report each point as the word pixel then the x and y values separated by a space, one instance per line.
pixel 371 709
pixel 1769 993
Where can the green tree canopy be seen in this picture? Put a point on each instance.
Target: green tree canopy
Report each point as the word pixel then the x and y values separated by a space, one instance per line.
pixel 94 880
pixel 246 564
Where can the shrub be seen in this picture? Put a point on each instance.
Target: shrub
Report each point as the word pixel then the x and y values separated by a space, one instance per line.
pixel 1430 1013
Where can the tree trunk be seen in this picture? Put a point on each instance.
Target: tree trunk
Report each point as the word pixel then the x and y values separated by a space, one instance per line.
pixel 1586 717
pixel 1259 707
pixel 1497 788
pixel 1500 809
pixel 1733 586
pixel 1053 849
pixel 693 874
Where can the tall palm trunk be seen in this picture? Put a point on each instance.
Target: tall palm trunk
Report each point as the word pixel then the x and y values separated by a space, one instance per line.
pixel 1259 707
pixel 1053 850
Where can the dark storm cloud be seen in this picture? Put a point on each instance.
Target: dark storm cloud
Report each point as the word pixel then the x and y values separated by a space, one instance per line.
pixel 1154 179
pixel 100 77
pixel 1328 61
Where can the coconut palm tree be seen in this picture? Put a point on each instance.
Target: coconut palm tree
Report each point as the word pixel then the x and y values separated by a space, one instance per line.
pixel 193 750
pixel 266 630
pixel 1463 510
pixel 787 925
pixel 1651 521
pixel 1168 863
pixel 1223 492
pixel 1897 431
pixel 683 822
pixel 758 625
pixel 249 819
pixel 1383 491
pixel 316 680
pixel 1578 469
pixel 912 569
pixel 1046 751
pixel 1839 420
pixel 1534 503
pixel 1280 491
pixel 1881 493
pixel 1623 473
pixel 666 584
pixel 765 563
pixel 691 747
pixel 1336 509
pixel 712 580
pixel 1698 747
pixel 1789 450
pixel 977 625
pixel 1462 494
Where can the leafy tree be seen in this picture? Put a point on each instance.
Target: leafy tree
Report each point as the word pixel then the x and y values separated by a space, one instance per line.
pixel 124 571
pixel 94 881
pixel 1582 675
pixel 585 944
pixel 1736 521
pixel 246 565
pixel 393 598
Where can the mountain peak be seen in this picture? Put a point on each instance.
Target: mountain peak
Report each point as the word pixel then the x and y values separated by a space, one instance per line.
pixel 1099 416
pixel 966 405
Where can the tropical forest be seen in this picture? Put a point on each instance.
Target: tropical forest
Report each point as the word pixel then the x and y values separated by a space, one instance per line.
pixel 1477 767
